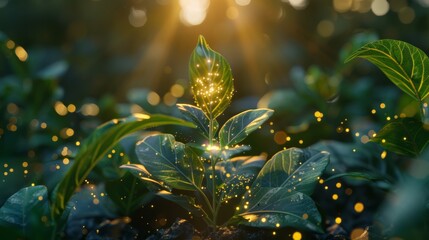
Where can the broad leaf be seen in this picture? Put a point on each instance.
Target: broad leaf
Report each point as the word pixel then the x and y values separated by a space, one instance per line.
pixel 236 175
pixel 108 167
pixel 368 176
pixel 211 79
pixel 276 207
pixel 295 169
pixel 24 211
pixel 199 118
pixel 405 136
pixel 96 146
pixel 279 195
pixel 237 128
pixel 128 193
pixel 404 64
pixel 170 162
pixel 185 202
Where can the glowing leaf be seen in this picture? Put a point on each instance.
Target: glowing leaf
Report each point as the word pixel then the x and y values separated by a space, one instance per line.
pixel 404 64
pixel 211 79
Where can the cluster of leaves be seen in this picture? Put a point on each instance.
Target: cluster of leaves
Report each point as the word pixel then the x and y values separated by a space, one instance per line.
pixel 406 66
pixel 275 193
pixel 272 194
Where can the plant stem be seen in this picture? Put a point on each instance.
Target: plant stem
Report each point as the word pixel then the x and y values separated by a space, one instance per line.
pixel 213 173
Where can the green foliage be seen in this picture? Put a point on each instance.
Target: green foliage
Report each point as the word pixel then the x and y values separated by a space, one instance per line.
pixel 237 128
pixel 283 184
pixel 406 136
pixel 170 162
pixel 96 146
pixel 199 118
pixel 280 194
pixel 404 64
pixel 128 193
pixel 211 79
pixel 26 214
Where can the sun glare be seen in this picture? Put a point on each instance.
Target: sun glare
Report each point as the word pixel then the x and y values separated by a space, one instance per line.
pixel 193 12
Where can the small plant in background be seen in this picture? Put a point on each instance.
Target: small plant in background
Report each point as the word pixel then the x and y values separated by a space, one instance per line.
pixel 407 67
pixel 207 178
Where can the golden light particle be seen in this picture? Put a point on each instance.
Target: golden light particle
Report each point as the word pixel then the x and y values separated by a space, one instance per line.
pixel 356 233
pixel 277 224
pixel 359 207
pixel 24 164
pixel 305 216
pixel 301 141
pixel 153 98
pixel 43 125
pixel 95 201
pixel 373 111
pixel 382 105
pixel 21 53
pixel 54 138
pixel 71 108
pixel 321 181
pixel 77 143
pixel 334 196
pixel 338 185
pixel 383 155
pixel 338 220
pixel 66 161
pixel 296 236
pixel 263 219
pixel 40 198
pixel 69 132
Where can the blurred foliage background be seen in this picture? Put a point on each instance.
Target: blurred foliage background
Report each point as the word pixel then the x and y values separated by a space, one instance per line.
pixel 67 66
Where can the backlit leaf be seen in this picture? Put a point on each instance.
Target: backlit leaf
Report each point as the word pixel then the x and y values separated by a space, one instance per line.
pixel 211 79
pixel 237 128
pixel 404 64
pixel 405 136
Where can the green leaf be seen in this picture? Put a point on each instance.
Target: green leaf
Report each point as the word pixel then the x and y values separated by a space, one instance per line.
pixel 141 173
pixel 185 202
pixel 237 128
pixel 96 146
pixel 170 162
pixel 108 167
pixel 276 207
pixel 211 79
pixel 360 176
pixel 295 169
pixel 405 136
pixel 280 192
pixel 24 211
pixel 404 64
pixel 199 118
pixel 237 174
pixel 128 193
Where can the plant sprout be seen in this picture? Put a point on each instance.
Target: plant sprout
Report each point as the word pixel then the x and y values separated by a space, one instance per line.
pixel 273 193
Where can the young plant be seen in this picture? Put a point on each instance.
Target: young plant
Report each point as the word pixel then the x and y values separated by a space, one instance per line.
pixel 206 178
pixel 407 67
